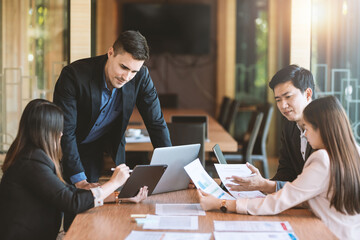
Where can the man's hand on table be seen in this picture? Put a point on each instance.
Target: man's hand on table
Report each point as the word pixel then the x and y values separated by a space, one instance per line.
pixel 252 183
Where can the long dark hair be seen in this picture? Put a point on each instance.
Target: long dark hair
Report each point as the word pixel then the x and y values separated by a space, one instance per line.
pixel 327 115
pixel 40 126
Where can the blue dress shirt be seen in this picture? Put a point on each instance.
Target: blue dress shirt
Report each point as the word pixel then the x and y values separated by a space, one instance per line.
pixel 110 109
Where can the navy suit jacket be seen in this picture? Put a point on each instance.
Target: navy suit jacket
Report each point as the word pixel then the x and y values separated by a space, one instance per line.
pixel 78 93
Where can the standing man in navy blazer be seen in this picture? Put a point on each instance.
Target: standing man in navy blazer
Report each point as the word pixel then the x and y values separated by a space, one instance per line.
pixel 98 96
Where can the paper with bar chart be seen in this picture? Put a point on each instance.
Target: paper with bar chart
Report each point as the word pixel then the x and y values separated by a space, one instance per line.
pixel 204 182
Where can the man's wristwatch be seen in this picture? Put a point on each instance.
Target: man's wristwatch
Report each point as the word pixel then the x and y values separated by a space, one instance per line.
pixel 223 206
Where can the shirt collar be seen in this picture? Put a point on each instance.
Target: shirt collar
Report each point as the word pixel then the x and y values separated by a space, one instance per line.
pixel 302 132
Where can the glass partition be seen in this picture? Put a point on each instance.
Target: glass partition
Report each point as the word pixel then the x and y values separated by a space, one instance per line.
pixel 34 48
pixel 335 54
pixel 251 57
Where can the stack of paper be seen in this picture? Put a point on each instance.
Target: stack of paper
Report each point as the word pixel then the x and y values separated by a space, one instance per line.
pixel 226 171
pixel 255 235
pixel 193 209
pixel 203 181
pixel 173 217
pixel 253 230
pixel 142 235
pixel 171 222
pixel 252 226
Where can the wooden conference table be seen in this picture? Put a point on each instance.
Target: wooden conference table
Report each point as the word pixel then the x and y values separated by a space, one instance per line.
pixel 112 221
pixel 217 134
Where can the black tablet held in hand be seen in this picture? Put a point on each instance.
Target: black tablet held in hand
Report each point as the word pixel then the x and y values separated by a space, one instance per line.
pixel 142 175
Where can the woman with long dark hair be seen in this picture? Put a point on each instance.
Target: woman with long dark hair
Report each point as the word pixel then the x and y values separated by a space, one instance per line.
pixel 33 194
pixel 329 182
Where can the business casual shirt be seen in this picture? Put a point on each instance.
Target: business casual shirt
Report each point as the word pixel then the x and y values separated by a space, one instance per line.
pixel 291 159
pixel 110 109
pixel 303 141
pixel 311 186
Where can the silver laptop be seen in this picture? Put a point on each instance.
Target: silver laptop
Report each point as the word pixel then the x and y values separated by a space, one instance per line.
pixel 176 157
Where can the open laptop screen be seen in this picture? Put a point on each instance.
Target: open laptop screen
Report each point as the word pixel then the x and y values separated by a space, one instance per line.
pixel 176 158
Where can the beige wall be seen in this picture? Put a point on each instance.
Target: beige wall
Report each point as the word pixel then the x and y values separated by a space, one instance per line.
pixel 106 25
pixel 195 84
pixel 80 29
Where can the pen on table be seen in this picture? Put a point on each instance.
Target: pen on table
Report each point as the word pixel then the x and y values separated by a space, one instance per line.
pixel 113 169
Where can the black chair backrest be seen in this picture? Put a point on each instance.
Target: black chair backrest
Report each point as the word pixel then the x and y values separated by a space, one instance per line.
pixel 168 100
pixel 192 119
pixel 188 133
pixel 257 118
pixel 260 144
pixel 224 109
pixel 231 114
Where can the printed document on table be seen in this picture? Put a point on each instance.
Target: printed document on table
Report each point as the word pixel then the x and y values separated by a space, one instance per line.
pixel 193 209
pixel 138 139
pixel 241 170
pixel 143 235
pixel 255 235
pixel 252 226
pixel 171 222
pixel 203 181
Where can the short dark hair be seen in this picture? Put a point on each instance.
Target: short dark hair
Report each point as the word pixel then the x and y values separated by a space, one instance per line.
pixel 300 77
pixel 134 43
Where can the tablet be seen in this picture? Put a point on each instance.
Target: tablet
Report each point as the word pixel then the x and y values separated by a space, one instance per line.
pixel 142 175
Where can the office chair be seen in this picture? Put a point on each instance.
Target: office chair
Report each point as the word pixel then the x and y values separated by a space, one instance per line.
pixel 259 152
pixel 246 154
pixel 231 114
pixel 224 110
pixel 193 119
pixel 188 133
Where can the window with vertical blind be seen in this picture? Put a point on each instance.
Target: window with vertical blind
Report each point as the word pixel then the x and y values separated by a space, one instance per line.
pixel 335 54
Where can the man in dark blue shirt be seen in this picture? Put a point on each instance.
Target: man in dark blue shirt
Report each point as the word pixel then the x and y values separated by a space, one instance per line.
pixel 98 96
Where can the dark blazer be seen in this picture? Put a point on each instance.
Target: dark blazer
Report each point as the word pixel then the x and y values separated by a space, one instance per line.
pixel 291 162
pixel 78 93
pixel 32 198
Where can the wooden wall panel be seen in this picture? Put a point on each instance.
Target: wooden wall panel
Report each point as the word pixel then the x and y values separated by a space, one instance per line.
pixel 80 29
pixel 226 51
